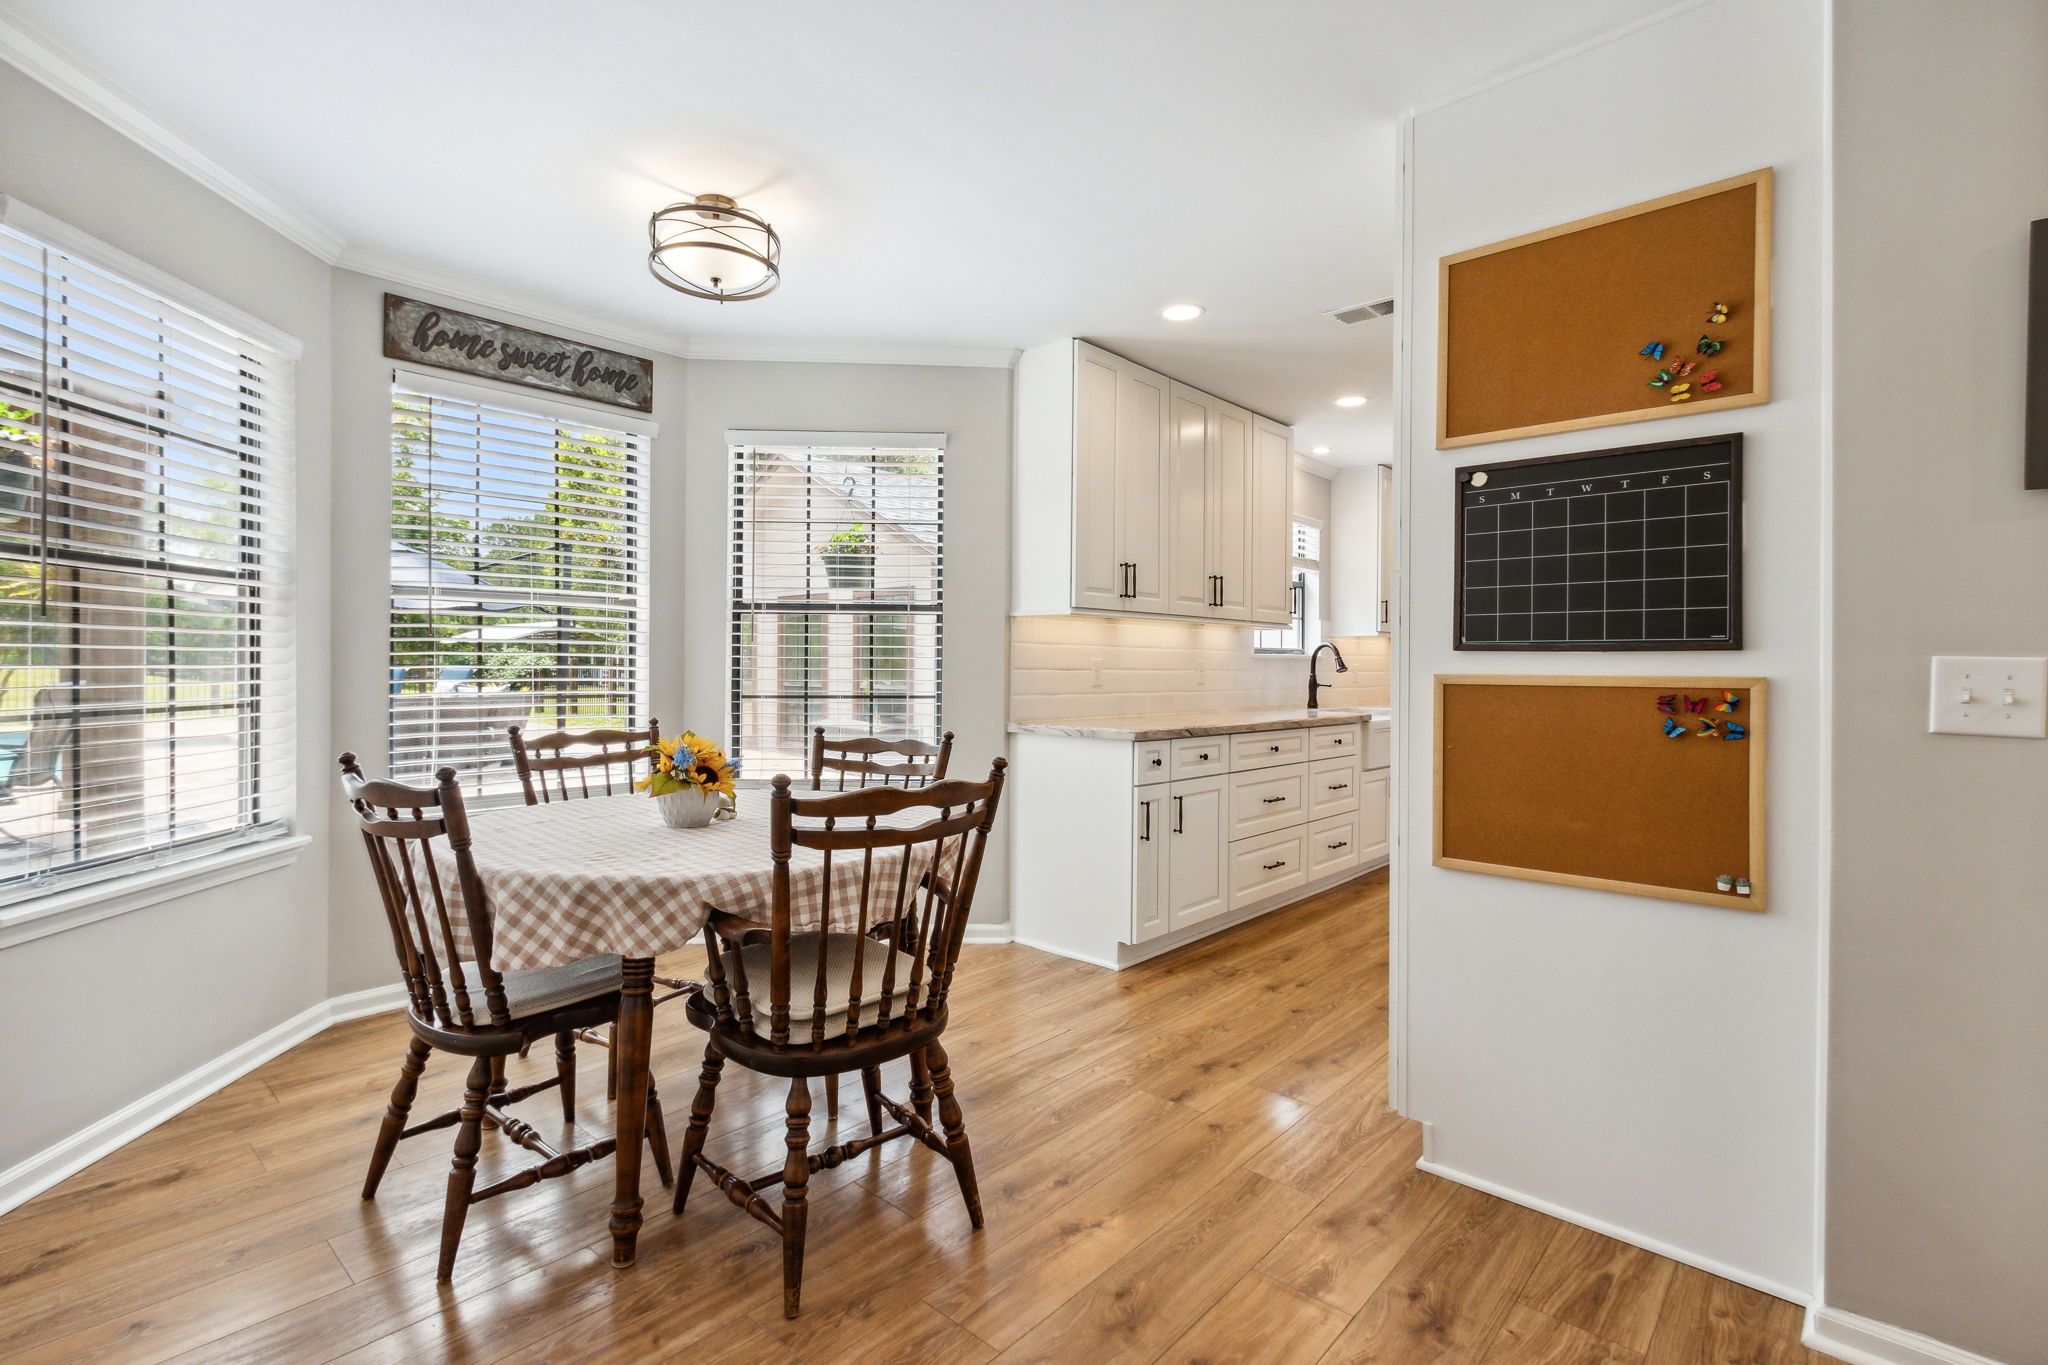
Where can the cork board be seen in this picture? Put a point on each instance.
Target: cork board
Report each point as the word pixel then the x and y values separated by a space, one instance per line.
pixel 1542 333
pixel 1573 780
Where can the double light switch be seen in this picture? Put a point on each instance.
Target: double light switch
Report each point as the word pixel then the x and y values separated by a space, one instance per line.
pixel 1979 696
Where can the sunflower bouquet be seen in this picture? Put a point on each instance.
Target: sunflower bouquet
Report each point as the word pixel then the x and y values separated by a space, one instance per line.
pixel 689 762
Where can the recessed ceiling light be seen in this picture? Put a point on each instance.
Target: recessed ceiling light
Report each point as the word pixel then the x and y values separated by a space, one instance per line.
pixel 1320 450
pixel 1351 400
pixel 1182 312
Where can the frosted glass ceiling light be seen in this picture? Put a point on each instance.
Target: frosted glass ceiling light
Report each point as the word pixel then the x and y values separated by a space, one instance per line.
pixel 711 248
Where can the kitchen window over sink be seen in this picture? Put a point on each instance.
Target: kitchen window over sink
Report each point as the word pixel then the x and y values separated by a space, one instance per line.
pixel 1305 575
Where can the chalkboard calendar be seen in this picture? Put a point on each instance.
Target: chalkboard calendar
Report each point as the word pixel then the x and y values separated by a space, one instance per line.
pixel 1637 548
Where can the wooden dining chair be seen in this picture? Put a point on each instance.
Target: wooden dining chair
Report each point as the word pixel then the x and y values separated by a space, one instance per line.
pixel 900 868
pixel 609 758
pixel 865 761
pixel 468 1007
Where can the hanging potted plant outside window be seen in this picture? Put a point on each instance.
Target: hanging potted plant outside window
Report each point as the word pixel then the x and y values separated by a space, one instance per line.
pixel 850 558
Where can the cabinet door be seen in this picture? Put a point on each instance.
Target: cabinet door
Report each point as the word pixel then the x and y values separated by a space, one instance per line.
pixel 1189 590
pixel 1372 818
pixel 1270 592
pixel 1100 579
pixel 1141 485
pixel 1197 855
pixel 1386 549
pixel 1148 864
pixel 1230 513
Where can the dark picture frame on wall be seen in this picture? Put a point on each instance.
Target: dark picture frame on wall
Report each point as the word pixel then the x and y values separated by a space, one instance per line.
pixel 2037 355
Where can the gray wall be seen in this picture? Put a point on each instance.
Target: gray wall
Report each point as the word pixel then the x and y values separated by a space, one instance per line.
pixel 103 1014
pixel 1937 1154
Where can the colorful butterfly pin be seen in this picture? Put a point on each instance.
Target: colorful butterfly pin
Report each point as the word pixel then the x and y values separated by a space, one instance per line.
pixel 1668 703
pixel 1680 392
pixel 1710 381
pixel 1695 705
pixel 1717 315
pixel 1663 378
pixel 1729 701
pixel 1733 730
pixel 1709 728
pixel 1672 729
pixel 1707 345
pixel 1681 369
pixel 1655 350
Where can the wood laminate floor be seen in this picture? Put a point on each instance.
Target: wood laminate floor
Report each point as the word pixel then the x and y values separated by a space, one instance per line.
pixel 1188 1161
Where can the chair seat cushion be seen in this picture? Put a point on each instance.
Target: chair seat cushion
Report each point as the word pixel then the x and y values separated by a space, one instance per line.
pixel 539 989
pixel 803 979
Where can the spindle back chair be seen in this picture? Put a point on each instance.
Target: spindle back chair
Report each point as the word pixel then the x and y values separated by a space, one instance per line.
pixel 463 1004
pixel 613 754
pixel 818 1002
pixel 864 760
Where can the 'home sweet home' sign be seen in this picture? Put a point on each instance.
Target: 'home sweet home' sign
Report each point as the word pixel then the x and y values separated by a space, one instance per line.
pixel 469 344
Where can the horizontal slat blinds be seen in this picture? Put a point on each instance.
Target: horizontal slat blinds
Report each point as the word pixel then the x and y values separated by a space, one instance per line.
pixel 837 578
pixel 145 588
pixel 518 581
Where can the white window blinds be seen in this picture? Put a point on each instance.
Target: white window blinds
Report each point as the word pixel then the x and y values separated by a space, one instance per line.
pixel 145 667
pixel 518 578
pixel 838 572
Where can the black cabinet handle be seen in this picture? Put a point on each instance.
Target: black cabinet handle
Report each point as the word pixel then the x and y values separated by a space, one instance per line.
pixel 1146 835
pixel 1270 866
pixel 1383 611
pixel 1178 811
pixel 1157 761
pixel 1341 843
pixel 1271 800
pixel 1341 787
pixel 1273 748
pixel 1201 757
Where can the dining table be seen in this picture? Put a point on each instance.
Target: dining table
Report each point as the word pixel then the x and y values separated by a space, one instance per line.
pixel 603 875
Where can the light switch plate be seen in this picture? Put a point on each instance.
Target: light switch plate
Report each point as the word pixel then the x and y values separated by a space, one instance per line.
pixel 1979 696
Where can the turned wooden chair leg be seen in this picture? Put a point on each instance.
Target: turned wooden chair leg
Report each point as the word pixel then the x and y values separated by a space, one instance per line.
pixel 831 1097
pixel 394 1113
pixel 565 1070
pixel 657 1137
pixel 956 1131
pixel 871 1085
pixel 469 1138
pixel 700 1121
pixel 611 1069
pixel 921 1085
pixel 796 1179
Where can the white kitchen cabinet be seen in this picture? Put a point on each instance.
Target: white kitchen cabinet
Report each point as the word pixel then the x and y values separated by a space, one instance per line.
pixel 1136 495
pixel 1123 849
pixel 1384 483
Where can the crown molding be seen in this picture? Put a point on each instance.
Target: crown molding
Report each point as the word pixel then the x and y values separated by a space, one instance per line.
pixel 852 353
pixel 126 115
pixel 1312 465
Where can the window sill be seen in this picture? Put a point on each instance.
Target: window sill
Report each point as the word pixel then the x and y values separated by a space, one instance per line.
pixel 81 905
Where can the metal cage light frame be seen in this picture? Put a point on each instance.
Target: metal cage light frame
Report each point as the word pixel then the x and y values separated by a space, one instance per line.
pixel 714 222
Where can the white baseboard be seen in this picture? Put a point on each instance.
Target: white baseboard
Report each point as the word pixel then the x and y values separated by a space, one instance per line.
pixel 1866 1341
pixel 1619 1234
pixel 27 1179
pixel 988 933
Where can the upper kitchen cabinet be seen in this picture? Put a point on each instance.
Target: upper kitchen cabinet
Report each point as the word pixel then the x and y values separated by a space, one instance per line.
pixel 1140 496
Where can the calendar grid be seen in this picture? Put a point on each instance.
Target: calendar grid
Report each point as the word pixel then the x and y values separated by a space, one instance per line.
pixel 1632 549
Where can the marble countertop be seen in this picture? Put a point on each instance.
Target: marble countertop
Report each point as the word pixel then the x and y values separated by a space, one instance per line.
pixel 1188 724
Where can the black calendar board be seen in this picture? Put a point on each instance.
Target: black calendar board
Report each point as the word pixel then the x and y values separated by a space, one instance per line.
pixel 1636 548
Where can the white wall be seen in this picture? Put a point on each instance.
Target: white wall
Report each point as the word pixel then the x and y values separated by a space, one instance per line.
pixel 1937 1184
pixel 1642 1064
pixel 103 1014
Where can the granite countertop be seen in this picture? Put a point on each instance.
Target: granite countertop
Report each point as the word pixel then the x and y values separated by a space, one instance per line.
pixel 1188 724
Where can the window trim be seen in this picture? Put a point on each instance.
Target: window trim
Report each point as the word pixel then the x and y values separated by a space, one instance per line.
pixel 1295 567
pixel 80 904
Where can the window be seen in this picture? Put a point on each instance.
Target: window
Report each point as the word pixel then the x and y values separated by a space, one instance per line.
pixel 1306 569
pixel 145 666
pixel 518 578
pixel 837 571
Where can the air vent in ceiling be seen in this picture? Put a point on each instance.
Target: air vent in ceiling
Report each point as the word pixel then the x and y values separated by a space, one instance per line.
pixel 1363 312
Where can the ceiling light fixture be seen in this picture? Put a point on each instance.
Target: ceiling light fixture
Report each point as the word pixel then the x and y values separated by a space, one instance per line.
pixel 1351 400
pixel 711 248
pixel 1182 312
pixel 1320 450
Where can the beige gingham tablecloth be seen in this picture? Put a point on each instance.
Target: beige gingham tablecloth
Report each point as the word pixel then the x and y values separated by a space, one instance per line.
pixel 579 878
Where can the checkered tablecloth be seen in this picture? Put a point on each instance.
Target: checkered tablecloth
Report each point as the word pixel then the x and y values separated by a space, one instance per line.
pixel 579 878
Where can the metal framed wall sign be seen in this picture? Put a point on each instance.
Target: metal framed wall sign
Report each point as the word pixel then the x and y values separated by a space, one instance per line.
pixel 453 340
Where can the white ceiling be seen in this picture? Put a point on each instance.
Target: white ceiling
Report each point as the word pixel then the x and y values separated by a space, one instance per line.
pixel 943 172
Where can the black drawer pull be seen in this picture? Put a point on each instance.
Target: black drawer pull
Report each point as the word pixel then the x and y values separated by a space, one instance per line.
pixel 1270 866
pixel 1146 807
pixel 1341 843
pixel 1274 748
pixel 1341 787
pixel 1157 761
pixel 1202 757
pixel 1271 800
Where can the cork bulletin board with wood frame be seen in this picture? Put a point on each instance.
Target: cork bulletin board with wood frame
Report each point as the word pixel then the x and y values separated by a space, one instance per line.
pixel 1629 784
pixel 1569 328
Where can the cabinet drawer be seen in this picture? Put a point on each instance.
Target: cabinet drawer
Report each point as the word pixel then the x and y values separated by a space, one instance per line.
pixel 1201 756
pixel 1332 741
pixel 1333 846
pixel 1151 761
pixel 1332 787
pixel 1268 866
pixel 1267 749
pixel 1379 733
pixel 1267 799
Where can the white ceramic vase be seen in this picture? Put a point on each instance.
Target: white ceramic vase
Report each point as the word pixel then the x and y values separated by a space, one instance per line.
pixel 690 809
